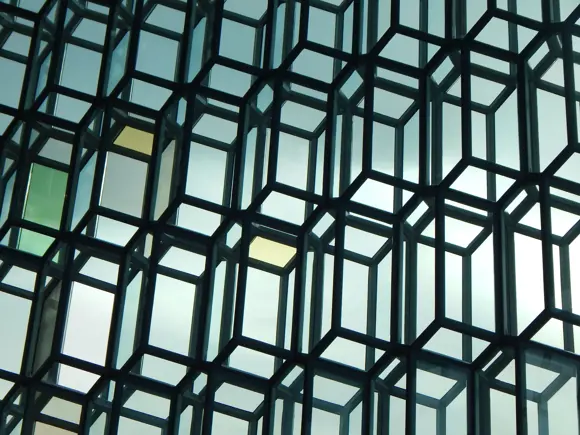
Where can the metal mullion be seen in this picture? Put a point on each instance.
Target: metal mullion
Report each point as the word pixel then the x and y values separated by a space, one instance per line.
pixel 308 393
pixel 205 92
pixel 135 415
pixel 501 269
pixel 492 51
pixel 566 288
pixel 281 320
pixel 36 309
pixel 113 214
pixel 90 14
pixel 344 423
pixel 547 248
pixel 36 59
pixel 306 100
pixel 577 398
pixel 269 35
pixel 440 254
pixel 196 340
pixel 55 422
pixel 241 19
pixel 288 412
pixel 241 285
pixel 467 215
pixel 509 296
pixel 212 143
pixel 338 40
pixel 95 283
pixel 178 274
pixel 135 30
pixel 534 140
pixel 345 152
pixel 296 131
pixel 172 425
pixel 467 306
pixel 410 292
pixel 385 119
pixel 447 246
pixel 59 47
pixel 524 206
pixel 303 22
pixel 146 298
pixel 312 175
pixel 316 302
pixel 535 233
pixel 411 395
pixel 117 312
pixel 231 196
pixel 512 17
pixel 150 79
pixel 10 55
pixel 436 139
pixel 153 173
pixel 371 322
pixel 388 84
pixel 328 6
pixel 16 291
pixel 66 288
pixel 289 30
pixel 569 86
pixel 543 420
pixel 215 25
pixel 520 396
pixel 338 272
pixel 483 404
pixel 161 31
pixel 108 49
pixel 377 229
pixel 368 121
pixel 184 50
pixel 524 118
pixel 83 43
pixel 227 311
pixel 274 143
pixel 19 12
pixel 138 111
pixel 466 329
pixel 424 142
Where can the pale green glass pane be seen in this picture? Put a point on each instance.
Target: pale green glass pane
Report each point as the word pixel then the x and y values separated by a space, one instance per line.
pixel 34 243
pixel 46 193
pixel 44 203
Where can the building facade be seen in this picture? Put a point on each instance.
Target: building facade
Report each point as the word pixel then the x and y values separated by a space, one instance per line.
pixel 289 217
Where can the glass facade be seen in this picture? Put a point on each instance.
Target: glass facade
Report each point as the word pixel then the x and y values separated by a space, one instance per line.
pixel 289 217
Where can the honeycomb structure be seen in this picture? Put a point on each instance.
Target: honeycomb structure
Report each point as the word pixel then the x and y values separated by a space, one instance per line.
pixel 289 217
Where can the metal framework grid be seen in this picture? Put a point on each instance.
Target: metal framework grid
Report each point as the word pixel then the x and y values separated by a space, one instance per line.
pixel 361 218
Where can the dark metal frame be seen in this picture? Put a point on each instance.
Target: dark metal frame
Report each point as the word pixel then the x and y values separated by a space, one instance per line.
pixel 425 195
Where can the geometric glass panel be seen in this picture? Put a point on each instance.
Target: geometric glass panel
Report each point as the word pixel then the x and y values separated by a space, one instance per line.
pixel 289 217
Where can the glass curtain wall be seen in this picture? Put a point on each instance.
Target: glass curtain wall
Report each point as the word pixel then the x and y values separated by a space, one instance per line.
pixel 289 217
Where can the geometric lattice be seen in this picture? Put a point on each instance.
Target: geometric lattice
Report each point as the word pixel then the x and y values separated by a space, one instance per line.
pixel 289 217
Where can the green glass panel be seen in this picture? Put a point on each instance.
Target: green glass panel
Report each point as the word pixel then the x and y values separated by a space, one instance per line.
pixel 44 203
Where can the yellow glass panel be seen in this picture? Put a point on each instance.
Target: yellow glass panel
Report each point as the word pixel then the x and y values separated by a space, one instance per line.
pixel 268 251
pixel 45 429
pixel 136 140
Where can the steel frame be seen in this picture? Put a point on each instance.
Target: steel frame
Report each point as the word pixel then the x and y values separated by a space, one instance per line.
pixel 412 219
